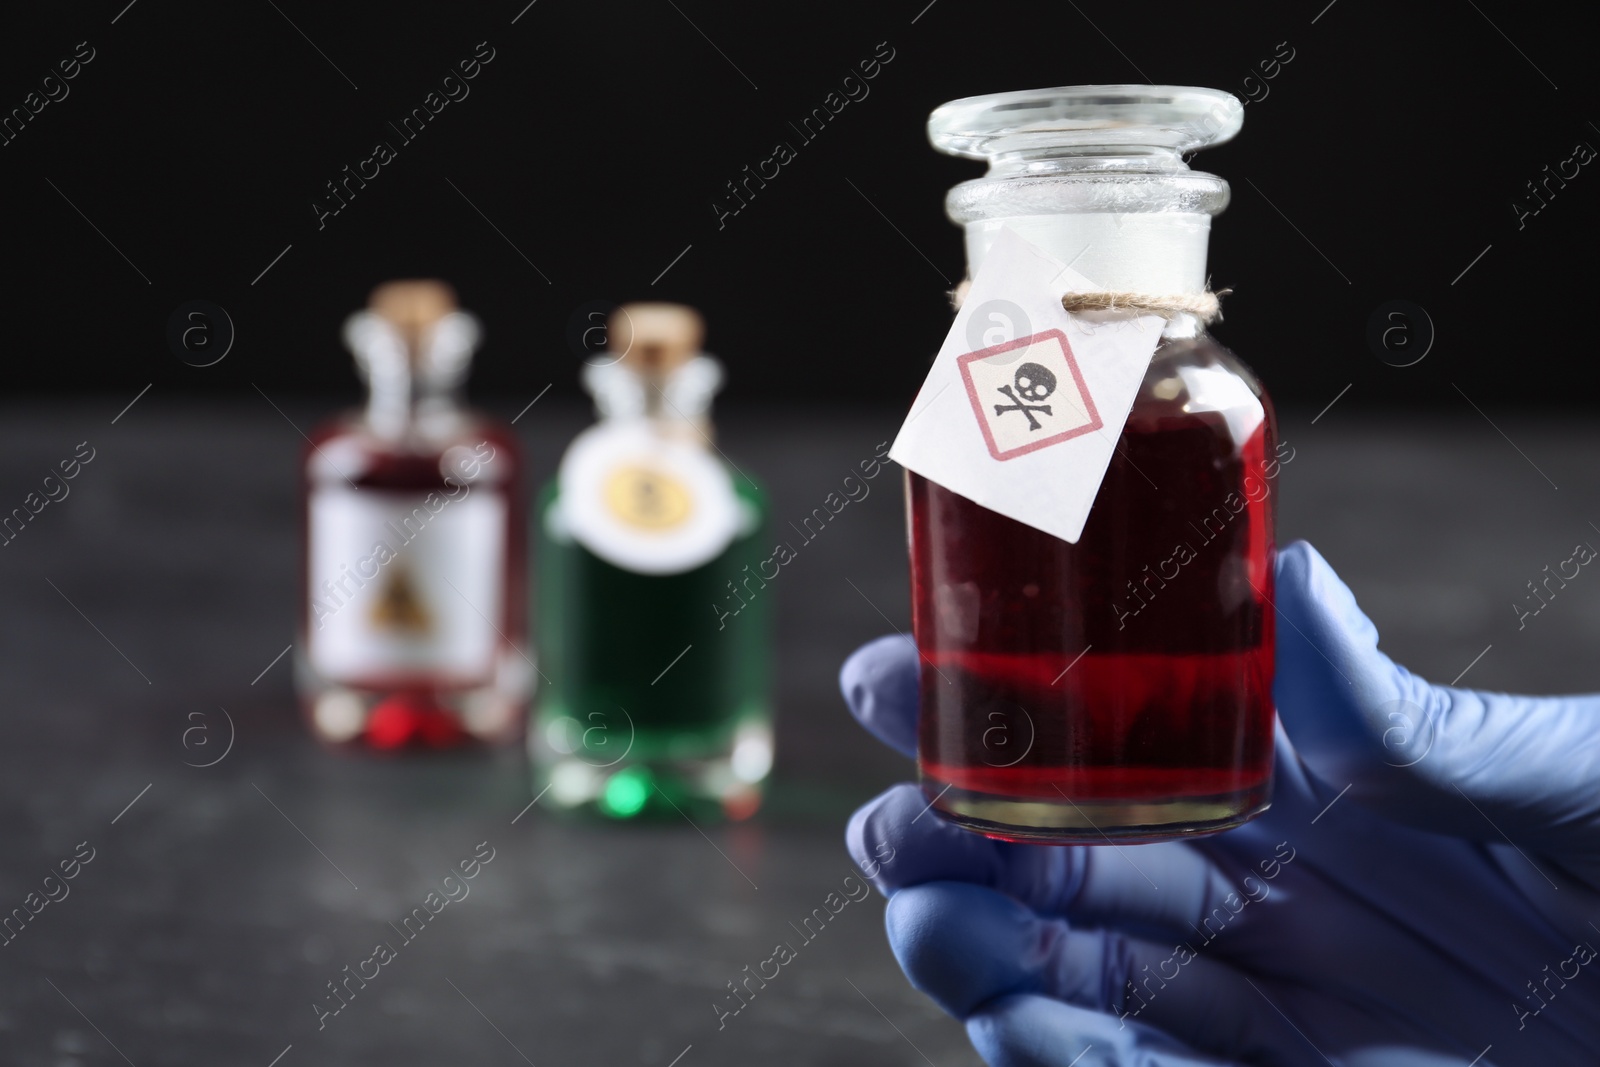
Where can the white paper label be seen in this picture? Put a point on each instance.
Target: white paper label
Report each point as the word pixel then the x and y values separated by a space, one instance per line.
pixel 1022 409
pixel 400 588
pixel 646 502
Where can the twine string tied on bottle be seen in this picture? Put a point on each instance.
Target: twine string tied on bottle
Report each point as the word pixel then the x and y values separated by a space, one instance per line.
pixel 1204 306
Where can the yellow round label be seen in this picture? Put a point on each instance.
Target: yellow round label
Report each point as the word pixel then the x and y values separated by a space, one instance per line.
pixel 647 498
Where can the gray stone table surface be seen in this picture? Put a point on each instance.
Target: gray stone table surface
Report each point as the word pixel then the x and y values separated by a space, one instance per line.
pixel 218 905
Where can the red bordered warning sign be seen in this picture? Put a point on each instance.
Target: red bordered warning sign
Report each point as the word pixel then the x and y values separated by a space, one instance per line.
pixel 1028 394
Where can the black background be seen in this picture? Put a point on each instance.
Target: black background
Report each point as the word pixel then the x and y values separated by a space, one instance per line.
pixel 1391 147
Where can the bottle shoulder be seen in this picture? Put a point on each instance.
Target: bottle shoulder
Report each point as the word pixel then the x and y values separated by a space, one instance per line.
pixel 1196 381
pixel 470 444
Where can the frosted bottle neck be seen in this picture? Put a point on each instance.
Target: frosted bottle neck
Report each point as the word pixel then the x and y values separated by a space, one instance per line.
pixel 1150 252
pixel 399 403
pixel 1132 221
pixel 677 403
pixel 412 392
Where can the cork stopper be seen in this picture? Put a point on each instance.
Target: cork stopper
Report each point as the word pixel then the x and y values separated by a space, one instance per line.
pixel 656 339
pixel 413 307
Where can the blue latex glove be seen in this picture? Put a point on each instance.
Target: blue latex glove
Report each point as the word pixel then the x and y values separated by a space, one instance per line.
pixel 1445 903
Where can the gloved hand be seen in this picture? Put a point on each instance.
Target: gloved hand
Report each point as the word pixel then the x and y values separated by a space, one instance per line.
pixel 1423 890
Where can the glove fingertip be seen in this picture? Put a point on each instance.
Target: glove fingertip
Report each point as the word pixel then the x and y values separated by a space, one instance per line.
pixel 879 683
pixel 1312 596
pixel 962 944
pixel 866 836
pixel 1028 1030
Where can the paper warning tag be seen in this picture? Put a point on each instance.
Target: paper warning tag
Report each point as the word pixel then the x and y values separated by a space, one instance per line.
pixel 1022 408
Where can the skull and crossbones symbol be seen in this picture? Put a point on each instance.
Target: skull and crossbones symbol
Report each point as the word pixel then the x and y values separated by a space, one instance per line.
pixel 1033 384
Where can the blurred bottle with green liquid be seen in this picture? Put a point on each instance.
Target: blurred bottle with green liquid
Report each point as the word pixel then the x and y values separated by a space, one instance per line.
pixel 655 697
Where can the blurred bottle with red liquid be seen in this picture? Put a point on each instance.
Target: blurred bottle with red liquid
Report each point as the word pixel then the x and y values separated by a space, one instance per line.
pixel 412 630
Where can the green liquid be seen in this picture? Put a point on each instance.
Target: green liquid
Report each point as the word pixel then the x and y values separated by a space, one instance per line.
pixel 652 685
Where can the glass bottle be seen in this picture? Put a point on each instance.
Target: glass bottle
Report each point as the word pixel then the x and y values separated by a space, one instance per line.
pixel 652 612
pixel 412 632
pixel 1118 688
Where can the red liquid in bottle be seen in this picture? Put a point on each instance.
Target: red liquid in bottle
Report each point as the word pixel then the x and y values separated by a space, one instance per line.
pixel 1119 688
pixel 412 688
